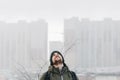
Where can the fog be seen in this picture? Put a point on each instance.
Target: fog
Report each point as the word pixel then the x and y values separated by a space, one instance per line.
pixel 92 51
pixel 85 31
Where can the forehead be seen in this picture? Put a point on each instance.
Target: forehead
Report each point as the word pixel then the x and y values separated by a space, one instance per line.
pixel 55 54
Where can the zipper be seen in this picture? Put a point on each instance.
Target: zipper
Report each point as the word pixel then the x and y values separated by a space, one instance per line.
pixel 61 77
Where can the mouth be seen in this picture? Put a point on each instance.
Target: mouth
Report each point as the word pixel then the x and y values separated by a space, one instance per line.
pixel 57 61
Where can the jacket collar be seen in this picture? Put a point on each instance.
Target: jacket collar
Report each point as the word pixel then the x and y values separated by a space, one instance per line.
pixel 56 70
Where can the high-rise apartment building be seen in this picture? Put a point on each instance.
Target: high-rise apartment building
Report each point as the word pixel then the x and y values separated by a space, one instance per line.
pixel 23 44
pixel 92 44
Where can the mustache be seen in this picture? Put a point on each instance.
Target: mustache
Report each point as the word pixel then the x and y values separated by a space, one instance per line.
pixel 57 62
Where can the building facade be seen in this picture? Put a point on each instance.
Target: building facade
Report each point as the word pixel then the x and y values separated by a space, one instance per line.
pixel 22 44
pixel 95 44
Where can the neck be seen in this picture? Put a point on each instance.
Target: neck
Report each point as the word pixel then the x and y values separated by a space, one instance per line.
pixel 59 66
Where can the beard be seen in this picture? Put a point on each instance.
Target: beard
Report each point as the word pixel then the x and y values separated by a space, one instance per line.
pixel 57 62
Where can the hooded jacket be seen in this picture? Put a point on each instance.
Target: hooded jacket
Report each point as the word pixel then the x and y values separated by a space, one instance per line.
pixel 56 73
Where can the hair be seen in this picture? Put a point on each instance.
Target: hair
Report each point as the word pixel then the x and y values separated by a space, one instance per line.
pixel 51 62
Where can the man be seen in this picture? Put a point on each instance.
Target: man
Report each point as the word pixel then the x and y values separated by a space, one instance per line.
pixel 58 70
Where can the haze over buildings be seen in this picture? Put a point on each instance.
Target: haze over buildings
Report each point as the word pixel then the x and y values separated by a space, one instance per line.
pixel 23 44
pixel 93 41
pixel 54 12
pixel 88 46
pixel 95 44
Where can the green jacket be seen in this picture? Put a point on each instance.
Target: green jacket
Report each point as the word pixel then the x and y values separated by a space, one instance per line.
pixel 56 74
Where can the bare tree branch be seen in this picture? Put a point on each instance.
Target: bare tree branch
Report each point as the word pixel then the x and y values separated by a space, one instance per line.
pixel 70 47
pixel 27 74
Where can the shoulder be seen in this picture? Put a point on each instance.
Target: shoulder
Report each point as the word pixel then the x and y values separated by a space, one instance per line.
pixel 42 77
pixel 73 73
pixel 74 76
pixel 45 76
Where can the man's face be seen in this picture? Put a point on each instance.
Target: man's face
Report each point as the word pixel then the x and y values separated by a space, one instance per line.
pixel 56 58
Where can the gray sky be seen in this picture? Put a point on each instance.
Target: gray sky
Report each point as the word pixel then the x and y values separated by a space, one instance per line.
pixel 55 11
